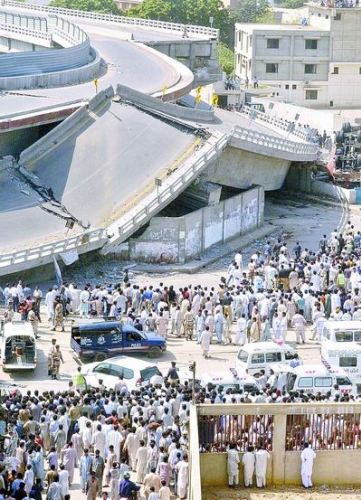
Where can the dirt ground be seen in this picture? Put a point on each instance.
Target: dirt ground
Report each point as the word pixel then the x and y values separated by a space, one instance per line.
pixel 289 493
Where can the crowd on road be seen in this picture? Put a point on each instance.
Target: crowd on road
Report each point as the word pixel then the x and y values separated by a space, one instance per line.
pixel 278 288
pixel 110 433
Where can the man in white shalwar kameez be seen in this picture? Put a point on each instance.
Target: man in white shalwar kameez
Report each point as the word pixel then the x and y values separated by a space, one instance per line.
pixel 99 440
pixel 262 456
pixel 307 458
pixel 132 444
pixel 114 438
pixel 141 462
pixel 232 466
pixel 182 477
pixel 205 341
pixel 248 461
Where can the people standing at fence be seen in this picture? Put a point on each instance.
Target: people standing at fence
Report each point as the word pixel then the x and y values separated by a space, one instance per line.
pixel 261 457
pixel 307 458
pixel 233 462
pixel 248 461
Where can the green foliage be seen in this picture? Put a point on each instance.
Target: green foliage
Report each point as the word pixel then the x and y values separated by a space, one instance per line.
pixel 251 11
pixel 292 4
pixel 152 9
pixel 104 6
pixel 226 58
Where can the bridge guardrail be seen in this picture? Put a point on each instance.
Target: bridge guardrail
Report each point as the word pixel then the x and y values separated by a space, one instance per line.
pixel 147 23
pixel 281 124
pixel 26 31
pixel 50 249
pixel 171 187
pixel 308 149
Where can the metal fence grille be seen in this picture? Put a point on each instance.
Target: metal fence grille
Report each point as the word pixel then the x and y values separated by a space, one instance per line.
pixel 323 432
pixel 217 432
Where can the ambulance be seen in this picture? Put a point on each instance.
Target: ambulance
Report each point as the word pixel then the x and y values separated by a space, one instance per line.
pixel 341 332
pixel 257 356
pixel 346 356
pixel 313 379
pixel 230 379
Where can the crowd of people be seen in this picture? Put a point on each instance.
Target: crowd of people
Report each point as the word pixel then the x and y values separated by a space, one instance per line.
pixel 278 288
pixel 106 434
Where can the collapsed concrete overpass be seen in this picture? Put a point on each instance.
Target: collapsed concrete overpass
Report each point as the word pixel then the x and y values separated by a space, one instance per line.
pixel 98 167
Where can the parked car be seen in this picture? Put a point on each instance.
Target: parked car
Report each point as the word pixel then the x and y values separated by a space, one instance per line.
pixel 100 340
pixel 135 372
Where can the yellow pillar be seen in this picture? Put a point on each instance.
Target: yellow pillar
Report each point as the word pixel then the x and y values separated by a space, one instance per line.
pixel 279 449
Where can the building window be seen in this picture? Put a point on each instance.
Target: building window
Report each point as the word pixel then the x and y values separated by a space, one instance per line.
pixel 331 104
pixel 273 43
pixel 294 87
pixel 359 71
pixel 311 95
pixel 335 70
pixel 271 68
pixel 287 86
pixel 310 69
pixel 311 44
pixel 337 17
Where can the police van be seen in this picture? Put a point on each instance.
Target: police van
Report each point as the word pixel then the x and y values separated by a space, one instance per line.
pixel 100 340
pixel 346 356
pixel 341 332
pixel 257 356
pixel 313 379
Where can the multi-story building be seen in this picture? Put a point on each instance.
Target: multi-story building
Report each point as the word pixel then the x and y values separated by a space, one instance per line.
pixel 316 63
pixel 127 4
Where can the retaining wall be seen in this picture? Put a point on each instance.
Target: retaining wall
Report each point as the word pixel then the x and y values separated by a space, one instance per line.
pixel 179 239
pixel 300 178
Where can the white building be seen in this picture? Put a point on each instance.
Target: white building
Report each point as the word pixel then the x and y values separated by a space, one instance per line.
pixel 318 65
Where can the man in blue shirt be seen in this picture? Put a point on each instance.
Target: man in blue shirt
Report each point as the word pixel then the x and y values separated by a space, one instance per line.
pixel 127 487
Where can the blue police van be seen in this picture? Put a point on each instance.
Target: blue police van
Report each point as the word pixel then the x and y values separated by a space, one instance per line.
pixel 102 339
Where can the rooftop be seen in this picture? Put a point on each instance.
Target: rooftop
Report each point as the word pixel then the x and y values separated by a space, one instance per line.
pixel 280 27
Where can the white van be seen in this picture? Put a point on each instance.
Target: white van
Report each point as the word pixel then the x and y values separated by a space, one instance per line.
pixel 341 332
pixel 257 356
pixel 313 379
pixel 18 346
pixel 231 379
pixel 346 356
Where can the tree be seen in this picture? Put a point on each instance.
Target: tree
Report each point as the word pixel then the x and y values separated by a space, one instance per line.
pixel 152 9
pixel 226 58
pixel 251 11
pixel 104 6
pixel 292 4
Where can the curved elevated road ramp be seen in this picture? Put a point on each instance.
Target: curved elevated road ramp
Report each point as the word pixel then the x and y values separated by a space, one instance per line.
pixel 97 169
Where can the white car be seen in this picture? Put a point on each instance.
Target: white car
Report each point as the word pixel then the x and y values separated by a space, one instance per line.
pixel 135 372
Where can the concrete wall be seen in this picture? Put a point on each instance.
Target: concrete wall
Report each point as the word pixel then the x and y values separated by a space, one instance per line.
pixel 332 467
pixel 300 178
pixel 214 469
pixel 241 169
pixel 193 53
pixel 178 239
pixel 149 102
pixel 345 462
